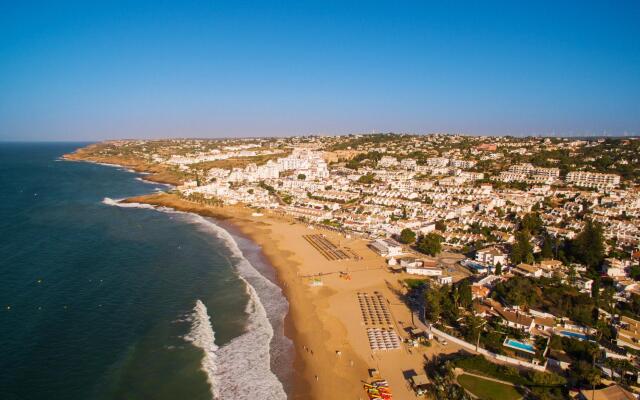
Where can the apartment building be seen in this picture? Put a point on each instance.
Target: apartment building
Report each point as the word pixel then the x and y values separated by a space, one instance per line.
pixel 593 179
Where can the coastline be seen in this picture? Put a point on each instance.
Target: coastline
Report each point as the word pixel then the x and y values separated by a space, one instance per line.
pixel 304 384
pixel 331 351
pixel 153 172
pixel 307 323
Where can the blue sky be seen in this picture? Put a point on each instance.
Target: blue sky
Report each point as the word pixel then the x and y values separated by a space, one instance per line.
pixel 93 70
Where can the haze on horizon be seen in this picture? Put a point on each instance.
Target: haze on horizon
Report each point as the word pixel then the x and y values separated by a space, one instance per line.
pixel 87 71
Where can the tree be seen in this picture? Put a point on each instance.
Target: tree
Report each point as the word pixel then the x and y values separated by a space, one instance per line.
pixel 302 177
pixel 432 305
pixel 498 269
pixel 634 272
pixel 532 223
pixel 582 373
pixel 430 244
pixel 547 248
pixel 522 250
pixel 588 245
pixel 366 179
pixel 441 226
pixel 463 288
pixel 473 326
pixel 407 236
pixel 546 378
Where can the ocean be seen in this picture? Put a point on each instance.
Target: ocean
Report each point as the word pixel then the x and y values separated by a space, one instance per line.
pixel 105 301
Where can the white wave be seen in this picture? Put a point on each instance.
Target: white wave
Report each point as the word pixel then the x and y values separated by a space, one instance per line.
pixel 241 369
pixel 106 164
pixel 152 182
pixel 244 370
pixel 203 336
pixel 118 203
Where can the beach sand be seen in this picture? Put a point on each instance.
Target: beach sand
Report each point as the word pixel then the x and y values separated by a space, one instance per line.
pixel 332 350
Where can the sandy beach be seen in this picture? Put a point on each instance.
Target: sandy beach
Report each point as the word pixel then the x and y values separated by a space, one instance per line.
pixel 325 323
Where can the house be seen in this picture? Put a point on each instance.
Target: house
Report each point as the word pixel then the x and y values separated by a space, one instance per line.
pixel 544 322
pixel 513 319
pixel 479 291
pixel 628 333
pixel 583 284
pixel 613 392
pixel 424 270
pixel 527 270
pixel 386 247
pixel 516 319
pixel 445 280
pixel 492 256
pixel 550 267
pixel 411 262
pixel 615 267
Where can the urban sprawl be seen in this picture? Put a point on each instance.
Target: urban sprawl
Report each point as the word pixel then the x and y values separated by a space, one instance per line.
pixel 547 230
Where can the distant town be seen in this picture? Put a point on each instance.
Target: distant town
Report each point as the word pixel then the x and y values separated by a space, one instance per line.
pixel 545 233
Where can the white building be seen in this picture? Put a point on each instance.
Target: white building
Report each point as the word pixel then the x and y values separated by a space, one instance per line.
pixel 386 247
pixel 387 161
pixel 424 271
pixel 593 179
pixel 492 256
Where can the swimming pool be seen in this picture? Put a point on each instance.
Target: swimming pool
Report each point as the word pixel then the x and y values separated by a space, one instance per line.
pixel 514 344
pixel 576 335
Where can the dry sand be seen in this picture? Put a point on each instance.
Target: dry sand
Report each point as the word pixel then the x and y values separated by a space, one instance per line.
pixel 325 320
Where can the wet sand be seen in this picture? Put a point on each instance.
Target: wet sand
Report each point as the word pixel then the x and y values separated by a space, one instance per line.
pixel 332 351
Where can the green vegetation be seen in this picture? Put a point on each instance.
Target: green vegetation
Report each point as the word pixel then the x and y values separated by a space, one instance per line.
pixel 407 236
pixel 357 142
pixel 415 283
pixel 532 223
pixel 588 246
pixel 444 382
pixel 267 187
pixel 199 198
pixel 543 385
pixel 430 244
pixel 331 223
pixel 367 179
pixel 522 250
pixel 481 366
pixel 444 302
pixel 548 295
pixel 371 158
pixel 576 349
pixel 237 162
pixel 488 390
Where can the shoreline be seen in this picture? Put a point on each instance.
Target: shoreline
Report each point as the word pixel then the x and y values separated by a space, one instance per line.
pixel 302 310
pixel 331 350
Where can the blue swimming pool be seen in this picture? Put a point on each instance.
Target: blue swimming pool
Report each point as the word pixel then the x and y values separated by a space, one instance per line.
pixel 575 335
pixel 519 345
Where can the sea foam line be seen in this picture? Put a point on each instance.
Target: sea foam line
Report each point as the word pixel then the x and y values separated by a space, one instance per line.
pixel 203 336
pixel 239 370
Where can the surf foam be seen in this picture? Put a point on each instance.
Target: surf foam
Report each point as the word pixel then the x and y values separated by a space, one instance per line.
pixel 202 335
pixel 118 203
pixel 241 369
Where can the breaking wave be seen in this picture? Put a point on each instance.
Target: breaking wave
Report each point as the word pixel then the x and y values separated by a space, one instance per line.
pixel 241 369
pixel 117 202
pixel 203 336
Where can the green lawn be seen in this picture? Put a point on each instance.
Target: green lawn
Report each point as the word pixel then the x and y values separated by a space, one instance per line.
pixel 488 390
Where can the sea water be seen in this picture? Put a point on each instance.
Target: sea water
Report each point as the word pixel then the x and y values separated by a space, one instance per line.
pixel 103 300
